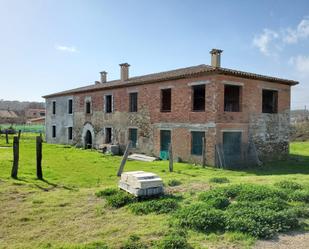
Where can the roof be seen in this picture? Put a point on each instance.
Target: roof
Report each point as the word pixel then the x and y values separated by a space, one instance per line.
pixel 8 114
pixel 171 75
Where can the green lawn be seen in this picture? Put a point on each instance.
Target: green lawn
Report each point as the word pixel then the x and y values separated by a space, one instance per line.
pixel 63 211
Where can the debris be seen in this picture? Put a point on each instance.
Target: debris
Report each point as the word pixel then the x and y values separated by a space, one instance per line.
pixel 140 183
pixel 141 157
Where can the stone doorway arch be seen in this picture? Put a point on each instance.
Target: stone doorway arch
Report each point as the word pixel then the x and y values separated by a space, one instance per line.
pixel 88 137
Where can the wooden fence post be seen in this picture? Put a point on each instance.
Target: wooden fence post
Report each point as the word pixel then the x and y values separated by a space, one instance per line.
pixel 203 153
pixel 170 157
pixel 19 132
pixel 15 157
pixel 7 136
pixel 124 158
pixel 39 172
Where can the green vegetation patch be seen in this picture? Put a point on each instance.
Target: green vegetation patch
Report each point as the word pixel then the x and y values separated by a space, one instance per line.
pixel 219 180
pixel 134 242
pixel 289 185
pixel 161 205
pixel 259 211
pixel 173 183
pixel 116 198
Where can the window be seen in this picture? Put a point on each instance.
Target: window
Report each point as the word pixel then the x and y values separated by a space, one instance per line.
pixel 54 131
pixel 70 133
pixel 88 107
pixel 231 98
pixel 133 136
pixel 54 107
pixel 197 142
pixel 108 135
pixel 70 106
pixel 166 100
pixel 198 93
pixel 133 102
pixel 42 114
pixel 270 101
pixel 108 103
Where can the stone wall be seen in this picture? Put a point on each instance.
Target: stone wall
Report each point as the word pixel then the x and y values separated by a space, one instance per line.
pixel 62 120
pixel 270 134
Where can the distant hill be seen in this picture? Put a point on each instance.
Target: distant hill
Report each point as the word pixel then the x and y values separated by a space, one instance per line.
pixel 20 106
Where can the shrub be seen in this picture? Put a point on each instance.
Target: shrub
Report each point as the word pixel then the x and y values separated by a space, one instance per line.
pixel 300 195
pixel 107 192
pixel 250 192
pixel 173 183
pixel 134 243
pixel 201 217
pixel 289 185
pixel 120 199
pixel 174 241
pixel 260 222
pixel 219 180
pixel 275 204
pixel 219 202
pixel 158 206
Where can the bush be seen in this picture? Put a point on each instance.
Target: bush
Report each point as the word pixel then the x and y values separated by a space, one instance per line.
pixel 219 180
pixel 201 217
pixel 107 192
pixel 260 222
pixel 174 241
pixel 173 183
pixel 134 243
pixel 120 199
pixel 300 195
pixel 158 206
pixel 219 202
pixel 289 185
pixel 275 204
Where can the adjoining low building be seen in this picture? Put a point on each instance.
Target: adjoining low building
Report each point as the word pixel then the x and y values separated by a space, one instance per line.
pixel 234 117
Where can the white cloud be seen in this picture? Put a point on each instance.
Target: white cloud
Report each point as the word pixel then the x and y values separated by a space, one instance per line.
pixel 269 42
pixel 294 35
pixel 301 64
pixel 66 49
pixel 264 41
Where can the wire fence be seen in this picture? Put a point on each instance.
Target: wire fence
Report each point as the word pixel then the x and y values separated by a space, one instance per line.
pixel 246 157
pixel 33 128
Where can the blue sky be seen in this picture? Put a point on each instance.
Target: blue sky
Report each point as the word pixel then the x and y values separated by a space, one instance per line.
pixel 49 46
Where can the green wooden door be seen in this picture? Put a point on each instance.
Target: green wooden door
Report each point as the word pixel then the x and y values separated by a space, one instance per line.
pixel 133 136
pixel 165 140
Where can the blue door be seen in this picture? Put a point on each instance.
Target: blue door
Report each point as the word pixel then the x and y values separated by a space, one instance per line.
pixel 165 140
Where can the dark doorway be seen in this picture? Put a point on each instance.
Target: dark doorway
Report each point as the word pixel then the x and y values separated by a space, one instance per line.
pixel 165 140
pixel 108 135
pixel 88 140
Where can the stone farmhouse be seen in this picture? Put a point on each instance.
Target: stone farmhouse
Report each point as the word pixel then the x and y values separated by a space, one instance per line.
pixel 230 116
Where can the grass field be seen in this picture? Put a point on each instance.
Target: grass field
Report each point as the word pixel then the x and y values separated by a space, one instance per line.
pixel 63 212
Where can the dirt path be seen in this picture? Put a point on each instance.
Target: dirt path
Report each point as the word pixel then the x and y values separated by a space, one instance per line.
pixel 287 241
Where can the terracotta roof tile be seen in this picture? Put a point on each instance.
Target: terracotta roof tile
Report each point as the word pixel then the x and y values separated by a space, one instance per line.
pixel 170 75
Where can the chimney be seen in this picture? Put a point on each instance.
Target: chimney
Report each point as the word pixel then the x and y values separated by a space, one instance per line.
pixel 103 76
pixel 124 71
pixel 216 57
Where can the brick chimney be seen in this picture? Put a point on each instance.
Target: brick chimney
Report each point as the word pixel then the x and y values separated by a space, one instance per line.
pixel 103 76
pixel 216 57
pixel 124 71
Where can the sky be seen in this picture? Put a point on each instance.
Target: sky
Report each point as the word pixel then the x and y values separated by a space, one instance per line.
pixel 48 46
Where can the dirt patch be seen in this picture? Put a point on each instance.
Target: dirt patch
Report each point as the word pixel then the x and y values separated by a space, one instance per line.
pixel 293 240
pixel 192 187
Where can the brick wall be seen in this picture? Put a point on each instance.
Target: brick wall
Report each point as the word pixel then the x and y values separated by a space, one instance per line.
pixel 181 120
